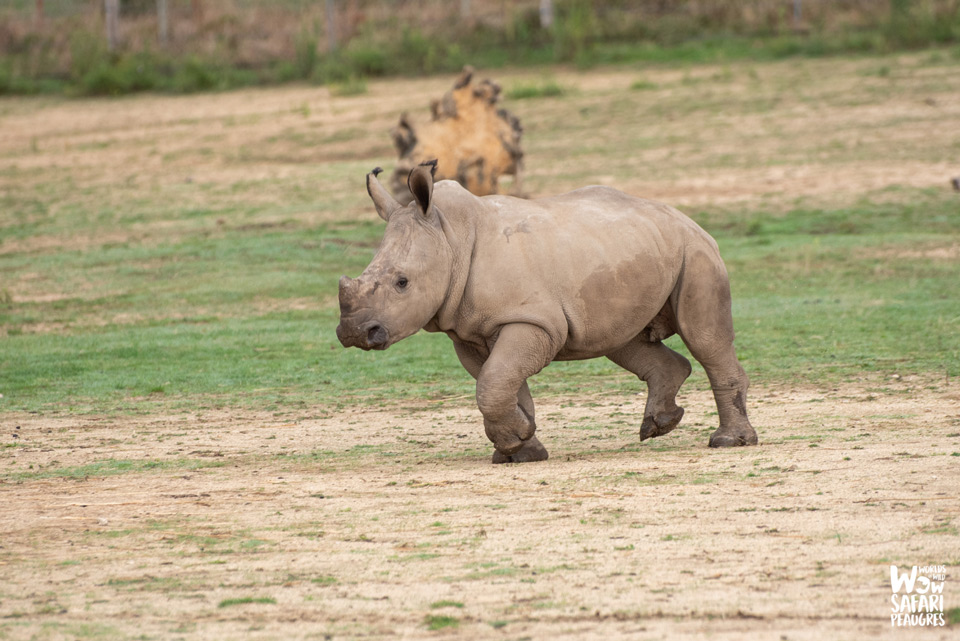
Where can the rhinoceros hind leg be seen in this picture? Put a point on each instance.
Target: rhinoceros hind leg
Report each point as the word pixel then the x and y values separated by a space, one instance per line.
pixel 660 424
pixel 705 323
pixel 532 450
pixel 664 372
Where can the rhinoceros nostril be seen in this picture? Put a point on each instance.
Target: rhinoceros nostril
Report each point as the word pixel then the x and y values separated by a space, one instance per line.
pixel 376 336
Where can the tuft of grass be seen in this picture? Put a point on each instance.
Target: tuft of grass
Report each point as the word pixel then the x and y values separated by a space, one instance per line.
pixel 643 85
pixel 545 89
pixel 439 622
pixel 352 86
pixel 445 604
pixel 419 556
pixel 253 544
pixel 226 603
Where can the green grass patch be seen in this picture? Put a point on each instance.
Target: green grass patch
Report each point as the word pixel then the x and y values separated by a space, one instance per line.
pixel 226 603
pixel 544 89
pixel 253 544
pixel 113 467
pixel 643 85
pixel 490 574
pixel 420 556
pixel 440 622
pixel 445 604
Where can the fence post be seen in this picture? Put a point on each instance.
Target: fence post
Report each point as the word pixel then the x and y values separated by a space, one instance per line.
pixel 163 22
pixel 112 11
pixel 332 26
pixel 546 14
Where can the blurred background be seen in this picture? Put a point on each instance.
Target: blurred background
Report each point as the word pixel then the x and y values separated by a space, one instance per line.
pixel 97 47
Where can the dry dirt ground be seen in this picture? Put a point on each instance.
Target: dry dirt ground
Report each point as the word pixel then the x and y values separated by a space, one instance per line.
pixel 380 522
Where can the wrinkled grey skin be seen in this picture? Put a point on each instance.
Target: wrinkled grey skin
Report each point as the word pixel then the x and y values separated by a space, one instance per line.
pixel 518 283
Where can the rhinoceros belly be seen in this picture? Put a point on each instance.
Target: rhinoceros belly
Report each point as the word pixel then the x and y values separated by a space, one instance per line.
pixel 616 305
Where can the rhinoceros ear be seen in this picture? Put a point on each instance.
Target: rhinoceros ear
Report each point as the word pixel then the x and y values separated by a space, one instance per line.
pixel 382 200
pixel 420 183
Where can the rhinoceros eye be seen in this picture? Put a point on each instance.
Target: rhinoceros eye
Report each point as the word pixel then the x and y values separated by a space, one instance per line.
pixel 402 282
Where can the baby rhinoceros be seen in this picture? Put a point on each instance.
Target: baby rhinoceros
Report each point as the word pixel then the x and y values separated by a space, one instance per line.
pixel 519 283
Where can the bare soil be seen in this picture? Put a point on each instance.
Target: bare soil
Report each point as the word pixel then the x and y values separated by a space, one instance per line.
pixel 368 522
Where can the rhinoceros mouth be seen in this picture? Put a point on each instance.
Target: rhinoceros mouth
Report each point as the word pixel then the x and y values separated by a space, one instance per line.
pixel 368 336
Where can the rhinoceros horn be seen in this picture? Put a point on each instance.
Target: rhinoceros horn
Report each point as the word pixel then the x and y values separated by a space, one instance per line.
pixel 382 200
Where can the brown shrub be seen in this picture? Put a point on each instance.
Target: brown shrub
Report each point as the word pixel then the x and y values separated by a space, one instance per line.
pixel 473 141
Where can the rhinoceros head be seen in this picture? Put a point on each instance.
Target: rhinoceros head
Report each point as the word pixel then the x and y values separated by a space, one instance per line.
pixel 403 288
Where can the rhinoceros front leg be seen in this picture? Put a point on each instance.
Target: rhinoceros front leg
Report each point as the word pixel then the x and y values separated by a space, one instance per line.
pixel 533 449
pixel 473 360
pixel 503 395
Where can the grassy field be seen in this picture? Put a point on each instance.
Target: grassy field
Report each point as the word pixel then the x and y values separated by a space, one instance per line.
pixel 187 452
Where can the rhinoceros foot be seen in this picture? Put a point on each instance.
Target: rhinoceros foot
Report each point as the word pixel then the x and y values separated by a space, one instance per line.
pixel 532 450
pixel 734 437
pixel 660 424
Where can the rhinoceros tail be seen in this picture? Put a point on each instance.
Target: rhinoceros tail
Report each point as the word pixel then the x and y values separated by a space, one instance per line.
pixel 377 171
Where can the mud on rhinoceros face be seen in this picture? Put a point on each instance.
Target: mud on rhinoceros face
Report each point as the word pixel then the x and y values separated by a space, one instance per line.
pixel 404 285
